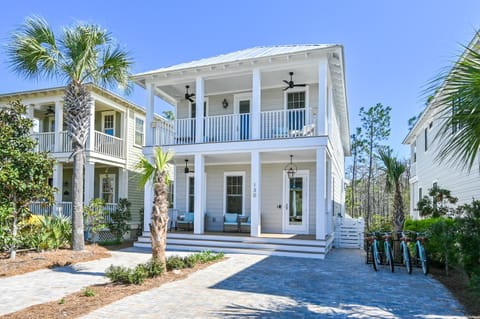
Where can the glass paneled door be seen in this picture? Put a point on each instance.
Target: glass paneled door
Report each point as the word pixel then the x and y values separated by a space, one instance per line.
pixel 295 203
pixel 242 108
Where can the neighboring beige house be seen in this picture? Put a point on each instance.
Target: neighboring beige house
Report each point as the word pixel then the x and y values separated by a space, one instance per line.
pixel 116 138
pixel 426 170
pixel 238 119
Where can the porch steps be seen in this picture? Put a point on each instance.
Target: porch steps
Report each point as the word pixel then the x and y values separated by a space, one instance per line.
pixel 242 244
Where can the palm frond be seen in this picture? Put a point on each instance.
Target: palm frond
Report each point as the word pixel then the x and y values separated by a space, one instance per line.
pixel 392 167
pixel 114 67
pixel 33 51
pixel 149 171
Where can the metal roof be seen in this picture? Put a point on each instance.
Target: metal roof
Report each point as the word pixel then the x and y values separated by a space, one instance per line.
pixel 247 54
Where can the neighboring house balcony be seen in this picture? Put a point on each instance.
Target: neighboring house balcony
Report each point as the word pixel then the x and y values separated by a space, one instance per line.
pixel 104 144
pixel 276 124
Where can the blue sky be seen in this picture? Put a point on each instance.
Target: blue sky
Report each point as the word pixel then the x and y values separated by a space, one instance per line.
pixel 392 48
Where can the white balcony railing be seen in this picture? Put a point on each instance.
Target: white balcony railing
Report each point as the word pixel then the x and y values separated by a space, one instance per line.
pixel 46 141
pixel 286 123
pixel 227 128
pixel 163 132
pixel 66 142
pixel 109 145
pixel 65 209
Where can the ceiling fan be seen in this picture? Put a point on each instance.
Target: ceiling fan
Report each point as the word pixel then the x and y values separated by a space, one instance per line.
pixel 291 84
pixel 188 96
pixel 49 111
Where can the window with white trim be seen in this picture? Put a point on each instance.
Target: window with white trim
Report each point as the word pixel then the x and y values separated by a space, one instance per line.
pixel 234 194
pixel 107 188
pixel 139 131
pixel 108 123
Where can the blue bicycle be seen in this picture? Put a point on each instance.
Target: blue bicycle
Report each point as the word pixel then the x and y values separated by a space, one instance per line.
pixel 421 253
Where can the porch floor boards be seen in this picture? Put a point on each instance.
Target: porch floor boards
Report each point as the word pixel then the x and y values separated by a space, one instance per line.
pixel 240 234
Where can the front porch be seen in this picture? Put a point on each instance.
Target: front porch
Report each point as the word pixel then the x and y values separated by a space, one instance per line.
pixel 274 244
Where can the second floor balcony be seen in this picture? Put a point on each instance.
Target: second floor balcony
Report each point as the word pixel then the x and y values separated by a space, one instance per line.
pixel 102 143
pixel 277 124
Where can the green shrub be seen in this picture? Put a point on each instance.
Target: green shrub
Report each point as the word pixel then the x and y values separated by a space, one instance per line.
pixel 46 232
pixel 153 268
pixel 381 223
pixel 118 224
pixel 89 292
pixel 136 275
pixel 175 262
pixel 468 237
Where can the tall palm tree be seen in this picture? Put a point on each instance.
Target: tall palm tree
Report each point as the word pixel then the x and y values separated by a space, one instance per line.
pixel 81 54
pixel 459 104
pixel 157 173
pixel 394 169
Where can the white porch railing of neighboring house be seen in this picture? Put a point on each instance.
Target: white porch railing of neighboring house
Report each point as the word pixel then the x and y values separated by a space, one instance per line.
pixel 287 123
pixel 65 209
pixel 66 141
pixel 349 232
pixel 109 145
pixel 46 141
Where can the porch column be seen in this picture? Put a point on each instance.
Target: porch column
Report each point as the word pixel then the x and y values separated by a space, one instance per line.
pixel 58 183
pixel 256 197
pixel 58 126
pixel 122 183
pixel 31 116
pixel 198 226
pixel 199 101
pixel 149 116
pixel 329 195
pixel 123 132
pixel 147 205
pixel 322 98
pixel 320 229
pixel 89 184
pixel 256 103
pixel 91 129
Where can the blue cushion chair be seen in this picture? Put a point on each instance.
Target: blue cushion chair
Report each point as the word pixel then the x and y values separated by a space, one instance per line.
pixel 245 222
pixel 185 222
pixel 230 222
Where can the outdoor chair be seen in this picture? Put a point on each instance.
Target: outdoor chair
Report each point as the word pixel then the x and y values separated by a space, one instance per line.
pixel 230 222
pixel 185 222
pixel 245 222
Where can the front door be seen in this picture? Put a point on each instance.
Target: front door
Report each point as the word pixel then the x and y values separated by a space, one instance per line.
pixel 242 108
pixel 295 203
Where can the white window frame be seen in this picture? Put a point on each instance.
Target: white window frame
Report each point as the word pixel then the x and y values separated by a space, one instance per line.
pixel 225 175
pixel 100 191
pixel 296 90
pixel 135 131
pixel 104 114
pixel 205 100
pixel 241 97
pixel 187 184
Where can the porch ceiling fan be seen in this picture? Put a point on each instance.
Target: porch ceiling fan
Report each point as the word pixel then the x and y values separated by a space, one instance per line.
pixel 290 83
pixel 49 111
pixel 188 96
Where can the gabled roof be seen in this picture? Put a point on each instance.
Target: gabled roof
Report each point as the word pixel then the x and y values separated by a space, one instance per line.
pixel 247 54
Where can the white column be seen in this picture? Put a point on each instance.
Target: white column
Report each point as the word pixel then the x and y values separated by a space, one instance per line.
pixel 122 183
pixel 199 100
pixel 58 181
pixel 329 196
pixel 58 126
pixel 91 129
pixel 30 115
pixel 89 184
pixel 322 98
pixel 150 115
pixel 320 191
pixel 147 205
pixel 198 226
pixel 256 103
pixel 256 197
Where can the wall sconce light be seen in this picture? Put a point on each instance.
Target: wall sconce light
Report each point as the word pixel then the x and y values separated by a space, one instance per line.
pixel 187 170
pixel 225 103
pixel 65 184
pixel 291 168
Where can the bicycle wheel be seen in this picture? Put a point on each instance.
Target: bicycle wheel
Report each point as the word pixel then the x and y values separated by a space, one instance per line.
pixel 375 256
pixel 389 256
pixel 407 260
pixel 424 259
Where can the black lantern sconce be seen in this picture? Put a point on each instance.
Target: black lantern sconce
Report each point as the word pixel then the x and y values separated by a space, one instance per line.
pixel 225 103
pixel 187 170
pixel 291 168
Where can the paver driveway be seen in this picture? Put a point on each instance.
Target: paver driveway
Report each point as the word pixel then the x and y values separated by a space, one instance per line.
pixel 248 286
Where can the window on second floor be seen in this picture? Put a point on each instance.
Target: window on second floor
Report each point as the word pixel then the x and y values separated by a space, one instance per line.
pixel 108 123
pixel 139 131
pixel 426 139
pixel 296 100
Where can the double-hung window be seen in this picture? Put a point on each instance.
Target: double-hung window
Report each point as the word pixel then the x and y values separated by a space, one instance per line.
pixel 139 131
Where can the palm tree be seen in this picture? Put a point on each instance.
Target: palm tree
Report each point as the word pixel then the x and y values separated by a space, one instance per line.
pixel 459 103
pixel 393 169
pixel 81 54
pixel 157 173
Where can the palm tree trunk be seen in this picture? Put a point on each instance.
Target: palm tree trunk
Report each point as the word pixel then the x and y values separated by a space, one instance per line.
pixel 399 216
pixel 158 225
pixel 78 241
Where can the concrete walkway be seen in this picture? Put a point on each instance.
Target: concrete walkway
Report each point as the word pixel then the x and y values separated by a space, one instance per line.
pixel 249 286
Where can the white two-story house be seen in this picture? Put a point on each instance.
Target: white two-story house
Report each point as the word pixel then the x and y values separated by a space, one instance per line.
pixel 426 169
pixel 260 133
pixel 116 138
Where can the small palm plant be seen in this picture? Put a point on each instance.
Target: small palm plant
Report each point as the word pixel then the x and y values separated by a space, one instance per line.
pixel 81 54
pixel 157 173
pixel 394 169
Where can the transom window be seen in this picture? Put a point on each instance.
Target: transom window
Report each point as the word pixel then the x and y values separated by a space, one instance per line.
pixel 234 194
pixel 108 123
pixel 139 131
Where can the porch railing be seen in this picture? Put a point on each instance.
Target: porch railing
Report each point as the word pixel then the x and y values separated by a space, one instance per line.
pixel 65 209
pixel 163 132
pixel 287 123
pixel 66 141
pixel 227 128
pixel 46 141
pixel 109 145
